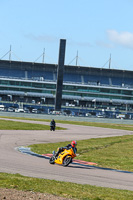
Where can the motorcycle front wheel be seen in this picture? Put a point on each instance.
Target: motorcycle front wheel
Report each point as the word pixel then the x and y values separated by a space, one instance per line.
pixel 67 160
pixel 51 160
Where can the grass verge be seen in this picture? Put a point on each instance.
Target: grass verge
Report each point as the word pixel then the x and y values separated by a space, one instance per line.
pixel 12 125
pixel 113 152
pixel 64 189
pixel 95 124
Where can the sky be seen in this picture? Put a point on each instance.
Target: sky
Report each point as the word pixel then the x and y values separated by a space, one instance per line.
pixel 95 31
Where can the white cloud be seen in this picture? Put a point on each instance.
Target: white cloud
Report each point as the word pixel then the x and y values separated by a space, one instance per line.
pixel 77 43
pixel 50 38
pixel 122 38
pixel 105 45
pixel 41 38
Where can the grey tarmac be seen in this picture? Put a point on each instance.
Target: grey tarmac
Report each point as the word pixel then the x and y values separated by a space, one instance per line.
pixel 13 161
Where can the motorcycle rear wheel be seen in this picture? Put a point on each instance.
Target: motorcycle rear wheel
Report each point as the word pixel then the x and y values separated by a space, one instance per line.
pixel 51 160
pixel 67 160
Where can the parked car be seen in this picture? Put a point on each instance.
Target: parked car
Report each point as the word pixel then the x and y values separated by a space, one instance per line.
pixel 34 111
pixel 26 110
pixel 2 107
pixel 19 110
pixel 10 109
pixel 100 116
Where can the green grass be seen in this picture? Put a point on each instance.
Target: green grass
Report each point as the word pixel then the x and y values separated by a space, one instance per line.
pixel 12 125
pixel 64 189
pixel 95 124
pixel 113 152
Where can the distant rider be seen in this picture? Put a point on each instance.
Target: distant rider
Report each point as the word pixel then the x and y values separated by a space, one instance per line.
pixel 52 125
pixel 69 146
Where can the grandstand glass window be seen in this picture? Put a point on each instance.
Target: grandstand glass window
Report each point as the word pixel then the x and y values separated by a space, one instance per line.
pixel 4 82
pixel 38 85
pixel 126 92
pixel 110 91
pixel 26 84
pixel 81 88
pixel 14 89
pixel 48 92
pixel 115 91
pixel 3 88
pixel 71 93
pixel 97 90
pixel 50 86
pixel 70 87
pixel 14 83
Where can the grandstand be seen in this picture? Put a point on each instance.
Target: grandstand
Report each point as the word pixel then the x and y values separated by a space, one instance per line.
pixel 83 87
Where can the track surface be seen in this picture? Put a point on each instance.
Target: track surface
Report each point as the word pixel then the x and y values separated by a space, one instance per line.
pixel 12 161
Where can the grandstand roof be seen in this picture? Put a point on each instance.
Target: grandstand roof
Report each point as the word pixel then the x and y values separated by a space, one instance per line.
pixel 67 68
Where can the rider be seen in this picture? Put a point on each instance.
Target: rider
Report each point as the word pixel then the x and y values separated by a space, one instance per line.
pixel 52 124
pixel 69 146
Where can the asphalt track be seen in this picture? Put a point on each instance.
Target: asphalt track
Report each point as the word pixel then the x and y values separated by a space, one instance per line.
pixel 13 161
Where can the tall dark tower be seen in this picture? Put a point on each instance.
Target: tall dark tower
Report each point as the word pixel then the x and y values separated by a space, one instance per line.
pixel 60 71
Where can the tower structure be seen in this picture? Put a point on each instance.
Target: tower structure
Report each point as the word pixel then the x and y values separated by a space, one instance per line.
pixel 60 71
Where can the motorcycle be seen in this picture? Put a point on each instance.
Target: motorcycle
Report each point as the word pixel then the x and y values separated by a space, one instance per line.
pixel 64 158
pixel 52 128
pixel 52 125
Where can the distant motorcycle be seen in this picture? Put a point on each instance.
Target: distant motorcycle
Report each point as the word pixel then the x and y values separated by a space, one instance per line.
pixel 64 158
pixel 52 128
pixel 52 125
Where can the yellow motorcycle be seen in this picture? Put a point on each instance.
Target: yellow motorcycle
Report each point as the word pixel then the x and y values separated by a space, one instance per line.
pixel 64 158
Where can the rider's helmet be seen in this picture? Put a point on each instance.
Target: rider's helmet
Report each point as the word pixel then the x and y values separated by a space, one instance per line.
pixel 73 143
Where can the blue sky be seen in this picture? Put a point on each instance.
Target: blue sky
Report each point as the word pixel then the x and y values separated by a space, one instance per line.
pixel 95 29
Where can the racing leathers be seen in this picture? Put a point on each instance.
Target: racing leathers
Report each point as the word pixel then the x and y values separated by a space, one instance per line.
pixel 69 146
